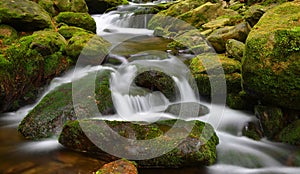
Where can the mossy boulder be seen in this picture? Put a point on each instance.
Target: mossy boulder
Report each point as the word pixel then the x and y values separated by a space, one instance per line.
pixel 220 36
pixel 253 130
pixel 101 6
pixel 24 15
pixel 271 59
pixel 68 31
pixel 48 117
pixel 31 62
pixel 235 49
pixel 81 20
pixel 119 166
pixel 157 81
pixel 71 5
pixel 191 151
pixel 291 133
pixel 230 67
pixel 89 46
pixel 205 13
pixel 48 5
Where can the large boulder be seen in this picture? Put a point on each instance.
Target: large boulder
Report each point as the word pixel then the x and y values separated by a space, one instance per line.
pixel 29 64
pixel 82 20
pixel 47 118
pixel 191 150
pixel 101 6
pixel 271 59
pixel 24 15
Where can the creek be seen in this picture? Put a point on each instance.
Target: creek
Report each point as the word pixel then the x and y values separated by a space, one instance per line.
pixel 236 154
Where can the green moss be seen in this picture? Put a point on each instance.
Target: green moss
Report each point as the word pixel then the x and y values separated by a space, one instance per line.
pixel 48 5
pixel 81 20
pixel 291 133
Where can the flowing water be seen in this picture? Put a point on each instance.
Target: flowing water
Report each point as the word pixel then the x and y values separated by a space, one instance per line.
pixel 236 154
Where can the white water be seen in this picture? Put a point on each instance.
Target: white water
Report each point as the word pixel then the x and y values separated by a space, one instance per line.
pixel 236 154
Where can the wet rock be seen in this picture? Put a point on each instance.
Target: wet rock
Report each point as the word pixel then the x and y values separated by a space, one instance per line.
pixel 101 6
pixel 272 57
pixel 120 166
pixel 90 47
pixel 24 15
pixel 175 109
pixel 235 49
pixel 219 37
pixel 81 20
pixel 47 118
pixel 252 130
pixel 191 151
pixel 157 81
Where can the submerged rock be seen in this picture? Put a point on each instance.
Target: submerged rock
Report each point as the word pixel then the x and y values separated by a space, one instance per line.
pixel 119 166
pixel 271 60
pixel 198 148
pixel 24 15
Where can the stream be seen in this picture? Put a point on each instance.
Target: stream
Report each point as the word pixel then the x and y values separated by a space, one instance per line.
pixel 236 154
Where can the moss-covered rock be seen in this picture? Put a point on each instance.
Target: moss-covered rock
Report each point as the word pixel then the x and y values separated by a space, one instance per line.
pixel 7 35
pixel 24 15
pixel 89 46
pixel 291 133
pixel 205 13
pixel 119 166
pixel 33 60
pixel 81 20
pixel 191 151
pixel 47 118
pixel 231 69
pixel 271 60
pixel 71 5
pixel 235 49
pixel 271 119
pixel 219 37
pixel 68 31
pixel 101 6
pixel 48 5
